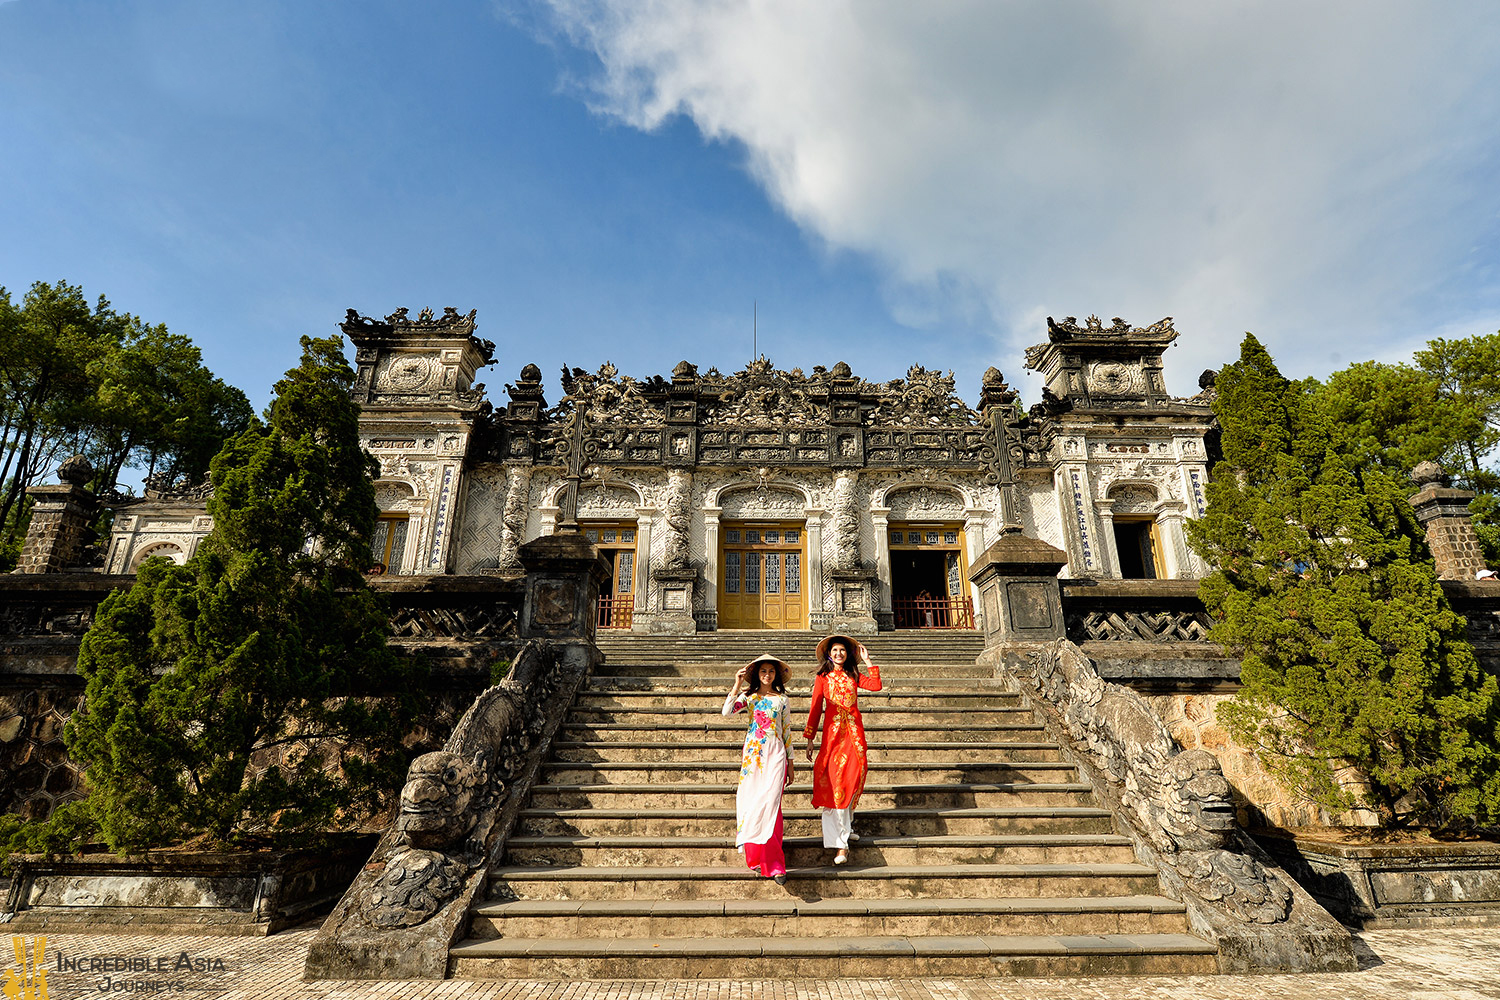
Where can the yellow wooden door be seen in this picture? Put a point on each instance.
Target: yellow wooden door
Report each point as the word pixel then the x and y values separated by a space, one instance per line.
pixel 761 577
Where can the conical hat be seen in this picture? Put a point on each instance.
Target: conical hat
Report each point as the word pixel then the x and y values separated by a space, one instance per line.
pixel 782 670
pixel 853 646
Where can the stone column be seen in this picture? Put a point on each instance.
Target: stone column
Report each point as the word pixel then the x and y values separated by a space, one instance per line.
pixel 60 518
pixel 1109 551
pixel 885 617
pixel 1169 514
pixel 676 577
pixel 549 514
pixel 853 604
pixel 513 515
pixel 1444 512
pixel 815 604
pixel 974 543
pixel 711 562
pixel 645 518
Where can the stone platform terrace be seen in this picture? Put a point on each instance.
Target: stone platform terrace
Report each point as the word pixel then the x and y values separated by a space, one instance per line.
pixel 1457 964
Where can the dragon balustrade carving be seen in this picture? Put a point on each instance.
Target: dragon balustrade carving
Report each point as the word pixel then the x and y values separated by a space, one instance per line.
pixel 451 798
pixel 1177 802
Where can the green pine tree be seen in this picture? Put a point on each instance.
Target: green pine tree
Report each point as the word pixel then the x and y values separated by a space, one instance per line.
pixel 1359 685
pixel 250 693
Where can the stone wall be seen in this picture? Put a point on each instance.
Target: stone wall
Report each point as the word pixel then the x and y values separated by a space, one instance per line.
pixel 461 626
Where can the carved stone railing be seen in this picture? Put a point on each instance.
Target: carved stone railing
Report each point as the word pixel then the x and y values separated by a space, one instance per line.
pixel 1153 634
pixel 1174 806
pixel 459 804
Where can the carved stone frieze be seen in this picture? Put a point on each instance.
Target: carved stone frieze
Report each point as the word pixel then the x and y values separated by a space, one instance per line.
pixel 926 503
pixel 762 502
pixel 922 398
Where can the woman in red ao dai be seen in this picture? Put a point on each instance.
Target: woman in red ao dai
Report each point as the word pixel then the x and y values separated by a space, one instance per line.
pixel 839 772
pixel 765 764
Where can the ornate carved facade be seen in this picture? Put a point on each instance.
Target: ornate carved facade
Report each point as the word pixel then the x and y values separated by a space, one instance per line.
pixel 770 498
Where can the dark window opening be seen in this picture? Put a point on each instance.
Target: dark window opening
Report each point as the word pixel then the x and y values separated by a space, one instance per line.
pixel 1136 544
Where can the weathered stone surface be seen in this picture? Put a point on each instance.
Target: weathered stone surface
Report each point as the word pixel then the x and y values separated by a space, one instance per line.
pixel 249 893
pixel 1394 885
pixel 1176 808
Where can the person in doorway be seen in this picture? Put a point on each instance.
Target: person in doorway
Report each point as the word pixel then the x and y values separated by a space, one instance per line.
pixel 765 763
pixel 839 771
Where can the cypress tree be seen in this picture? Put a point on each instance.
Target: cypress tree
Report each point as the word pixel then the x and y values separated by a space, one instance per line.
pixel 1359 685
pixel 250 694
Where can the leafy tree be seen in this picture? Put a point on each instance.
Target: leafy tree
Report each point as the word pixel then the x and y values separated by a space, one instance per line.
pixel 1394 417
pixel 234 696
pixel 1352 659
pixel 88 379
pixel 1467 373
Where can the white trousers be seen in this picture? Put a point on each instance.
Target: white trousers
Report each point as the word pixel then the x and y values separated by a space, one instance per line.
pixel 836 826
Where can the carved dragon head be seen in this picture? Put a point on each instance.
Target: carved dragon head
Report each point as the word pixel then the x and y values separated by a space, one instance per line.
pixel 438 798
pixel 1196 812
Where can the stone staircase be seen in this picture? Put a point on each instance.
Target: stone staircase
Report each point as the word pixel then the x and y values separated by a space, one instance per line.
pixel 980 852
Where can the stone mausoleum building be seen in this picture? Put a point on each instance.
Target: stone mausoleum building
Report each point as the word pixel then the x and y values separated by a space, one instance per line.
pixel 763 499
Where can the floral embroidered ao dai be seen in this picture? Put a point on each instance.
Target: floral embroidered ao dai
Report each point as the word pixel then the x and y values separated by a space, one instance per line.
pixel 757 803
pixel 839 771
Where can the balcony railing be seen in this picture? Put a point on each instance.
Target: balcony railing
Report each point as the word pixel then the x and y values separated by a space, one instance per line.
pixel 933 612
pixel 615 612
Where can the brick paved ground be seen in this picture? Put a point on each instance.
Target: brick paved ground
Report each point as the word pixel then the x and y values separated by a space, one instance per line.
pixel 1458 964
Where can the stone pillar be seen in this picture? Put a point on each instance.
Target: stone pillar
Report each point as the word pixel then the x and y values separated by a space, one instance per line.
pixel 60 520
pixel 974 543
pixel 513 515
pixel 885 616
pixel 549 513
pixel 711 563
pixel 564 576
pixel 816 610
pixel 1108 550
pixel 853 606
pixel 645 517
pixel 1444 512
pixel 1169 514
pixel 1020 595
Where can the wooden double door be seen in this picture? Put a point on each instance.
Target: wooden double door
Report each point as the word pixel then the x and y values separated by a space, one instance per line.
pixel 762 576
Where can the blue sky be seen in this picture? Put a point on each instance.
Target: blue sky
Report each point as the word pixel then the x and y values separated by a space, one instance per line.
pixel 892 183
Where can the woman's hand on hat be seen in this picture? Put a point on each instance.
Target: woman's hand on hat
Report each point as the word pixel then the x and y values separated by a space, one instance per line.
pixel 740 682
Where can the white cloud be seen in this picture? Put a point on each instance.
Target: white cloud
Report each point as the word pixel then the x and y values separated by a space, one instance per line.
pixel 1323 174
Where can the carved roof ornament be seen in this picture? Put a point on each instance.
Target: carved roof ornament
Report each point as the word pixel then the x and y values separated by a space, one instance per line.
pixel 923 397
pixel 402 361
pixel 611 396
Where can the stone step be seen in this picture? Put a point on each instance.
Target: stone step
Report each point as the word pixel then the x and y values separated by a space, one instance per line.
pixel 876 796
pixel 799 686
pixel 646 717
pixel 707 751
pixel 713 701
pixel 727 772
pixel 809 852
pixel 719 672
pixel 851 881
pixel 806 822
pixel 741 958
pixel 823 918
pixel 732 731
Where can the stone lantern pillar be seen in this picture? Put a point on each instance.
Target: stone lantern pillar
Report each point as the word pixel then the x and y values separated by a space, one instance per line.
pixel 1444 512
pixel 60 519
